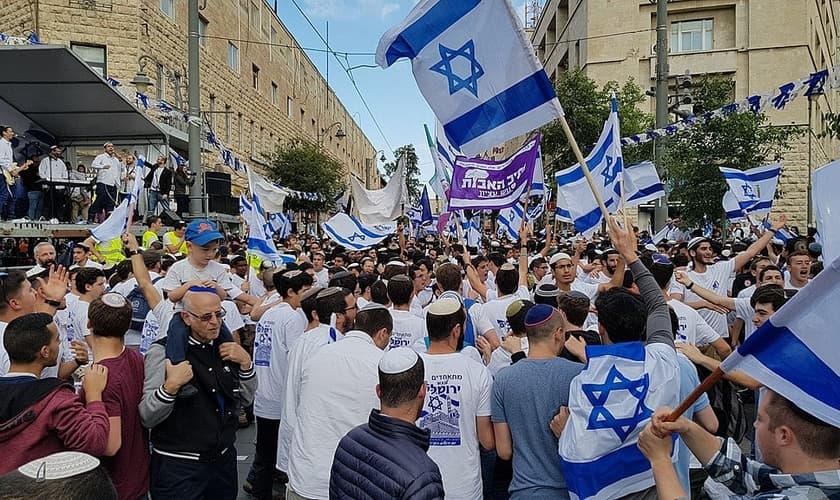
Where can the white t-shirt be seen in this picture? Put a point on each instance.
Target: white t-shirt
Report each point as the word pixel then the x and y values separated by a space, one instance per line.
pixel 496 310
pixel 337 393
pixel 305 348
pixel 322 278
pixel 361 302
pixel 791 286
pixel 66 325
pixel 233 320
pixel 408 329
pixel 676 288
pixel 747 292
pixel 744 311
pixel 78 311
pixel 5 363
pixel 458 391
pixel 588 289
pixel 182 271
pixel 501 358
pixel 693 329
pixel 717 278
pixel 152 331
pixel 276 334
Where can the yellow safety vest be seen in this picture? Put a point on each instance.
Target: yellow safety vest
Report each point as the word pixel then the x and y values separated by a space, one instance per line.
pixel 111 251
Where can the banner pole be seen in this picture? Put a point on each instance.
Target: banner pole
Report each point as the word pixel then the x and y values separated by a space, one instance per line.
pixel 695 394
pixel 584 166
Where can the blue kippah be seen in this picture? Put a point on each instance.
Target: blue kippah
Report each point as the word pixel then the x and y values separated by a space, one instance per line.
pixel 539 314
pixel 202 289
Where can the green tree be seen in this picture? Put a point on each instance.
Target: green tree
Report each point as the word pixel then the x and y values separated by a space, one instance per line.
pixel 412 172
pixel 587 106
pixel 739 140
pixel 303 166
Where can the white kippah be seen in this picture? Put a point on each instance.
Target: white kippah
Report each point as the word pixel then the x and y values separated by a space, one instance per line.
pixel 370 306
pixel 397 360
pixel 59 466
pixel 444 306
pixel 395 263
pixel 559 256
pixel 507 266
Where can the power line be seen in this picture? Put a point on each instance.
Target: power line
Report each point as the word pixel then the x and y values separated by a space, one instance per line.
pixel 286 45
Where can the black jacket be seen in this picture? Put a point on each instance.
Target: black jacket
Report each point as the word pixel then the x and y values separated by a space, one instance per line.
pixel 165 182
pixel 385 459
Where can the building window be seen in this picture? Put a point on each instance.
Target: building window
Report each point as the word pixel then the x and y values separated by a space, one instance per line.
pixel 251 135
pixel 168 7
pixel 254 16
pixel 274 93
pixel 290 103
pixel 213 113
pixel 255 76
pixel 272 50
pixel 239 132
pixel 233 57
pixel 202 31
pixel 692 36
pixel 94 55
pixel 160 84
pixel 227 123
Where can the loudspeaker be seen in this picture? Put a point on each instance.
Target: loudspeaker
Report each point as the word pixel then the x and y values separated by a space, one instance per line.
pixel 217 183
pixel 169 217
pixel 223 204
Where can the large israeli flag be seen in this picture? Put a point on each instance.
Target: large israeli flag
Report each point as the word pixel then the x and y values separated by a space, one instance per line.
pixel 606 166
pixel 610 402
pixel 471 228
pixel 753 189
pixel 476 69
pixel 352 234
pixel 260 243
pixel 801 334
pixel 642 184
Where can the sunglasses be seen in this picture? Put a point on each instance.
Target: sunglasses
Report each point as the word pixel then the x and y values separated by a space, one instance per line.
pixel 206 318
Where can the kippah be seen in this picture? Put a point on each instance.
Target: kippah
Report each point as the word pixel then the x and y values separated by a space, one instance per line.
pixel 444 306
pixel 291 274
pixel 539 314
pixel 328 292
pixel 353 265
pixel 559 256
pixel 696 241
pixel 395 263
pixel 201 289
pixel 310 292
pixel 661 258
pixel 574 294
pixel 507 266
pixel 397 360
pixel 516 306
pixel 372 306
pixel 59 465
pixel 451 294
pixel 546 290
pixel 115 300
pixel 400 277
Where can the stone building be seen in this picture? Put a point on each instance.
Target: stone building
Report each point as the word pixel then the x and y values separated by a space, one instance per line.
pixel 760 44
pixel 259 89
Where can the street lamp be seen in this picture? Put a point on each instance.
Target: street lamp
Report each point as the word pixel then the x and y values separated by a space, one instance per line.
pixel 142 82
pixel 339 134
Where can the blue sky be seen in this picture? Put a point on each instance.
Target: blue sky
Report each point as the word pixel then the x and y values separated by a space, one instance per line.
pixel 392 95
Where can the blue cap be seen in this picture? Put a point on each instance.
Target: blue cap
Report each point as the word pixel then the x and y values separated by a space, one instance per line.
pixel 202 231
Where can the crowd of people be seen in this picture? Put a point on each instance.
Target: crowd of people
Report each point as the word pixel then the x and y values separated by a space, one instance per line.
pixel 43 186
pixel 419 369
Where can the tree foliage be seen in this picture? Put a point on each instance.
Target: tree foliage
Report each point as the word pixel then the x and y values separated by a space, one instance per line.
pixel 587 106
pixel 412 172
pixel 741 140
pixel 303 166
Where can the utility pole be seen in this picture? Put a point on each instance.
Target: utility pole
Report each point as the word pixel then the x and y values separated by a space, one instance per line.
pixel 194 113
pixel 661 211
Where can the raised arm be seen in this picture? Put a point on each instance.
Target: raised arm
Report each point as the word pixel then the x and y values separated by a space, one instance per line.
pixel 743 258
pixel 141 273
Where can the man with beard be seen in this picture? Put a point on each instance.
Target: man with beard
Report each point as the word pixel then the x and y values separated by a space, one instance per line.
pixel 609 263
pixel 459 396
pixel 44 253
pixel 717 276
pixel 386 457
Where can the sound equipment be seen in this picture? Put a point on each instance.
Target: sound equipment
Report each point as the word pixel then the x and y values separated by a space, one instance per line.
pixel 169 217
pixel 223 204
pixel 217 183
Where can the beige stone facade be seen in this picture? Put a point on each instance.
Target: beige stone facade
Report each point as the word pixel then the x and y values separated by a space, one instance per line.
pixel 760 44
pixel 258 87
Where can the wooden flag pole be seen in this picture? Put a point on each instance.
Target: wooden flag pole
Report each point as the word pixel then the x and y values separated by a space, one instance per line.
pixel 695 394
pixel 584 166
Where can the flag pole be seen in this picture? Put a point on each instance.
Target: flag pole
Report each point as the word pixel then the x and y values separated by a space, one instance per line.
pixel 584 166
pixel 695 394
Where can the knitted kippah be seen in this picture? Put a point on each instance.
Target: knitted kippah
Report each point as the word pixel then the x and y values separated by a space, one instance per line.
pixel 59 466
pixel 444 306
pixel 539 314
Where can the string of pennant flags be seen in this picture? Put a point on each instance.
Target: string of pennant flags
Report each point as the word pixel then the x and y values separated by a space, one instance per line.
pixel 777 98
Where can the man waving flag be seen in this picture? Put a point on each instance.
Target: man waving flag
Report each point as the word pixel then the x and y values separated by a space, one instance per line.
pixel 476 69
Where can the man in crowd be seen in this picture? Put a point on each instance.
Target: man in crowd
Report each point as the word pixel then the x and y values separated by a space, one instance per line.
pixel 44 253
pixel 81 256
pixel 798 270
pixel 158 181
pixel 154 224
pixel 386 457
pixel 52 170
pixel 175 241
pixel 109 173
pixel 9 194
pixel 193 439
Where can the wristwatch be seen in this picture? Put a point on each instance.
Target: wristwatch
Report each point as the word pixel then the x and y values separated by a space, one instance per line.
pixel 53 303
pixel 129 253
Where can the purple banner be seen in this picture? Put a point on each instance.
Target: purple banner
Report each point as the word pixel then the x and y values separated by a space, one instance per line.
pixel 491 185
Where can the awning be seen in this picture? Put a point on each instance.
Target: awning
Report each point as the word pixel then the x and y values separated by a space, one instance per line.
pixel 59 93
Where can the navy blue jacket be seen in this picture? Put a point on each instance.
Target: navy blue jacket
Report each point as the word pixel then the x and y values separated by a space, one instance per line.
pixel 385 459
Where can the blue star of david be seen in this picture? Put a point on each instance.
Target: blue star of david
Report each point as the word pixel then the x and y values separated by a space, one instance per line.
pixel 748 191
pixel 435 403
pixel 355 236
pixel 444 67
pixel 611 171
pixel 601 418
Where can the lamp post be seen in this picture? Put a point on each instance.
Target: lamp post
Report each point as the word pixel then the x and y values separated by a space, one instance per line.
pixel 339 134
pixel 197 198
pixel 142 82
pixel 661 211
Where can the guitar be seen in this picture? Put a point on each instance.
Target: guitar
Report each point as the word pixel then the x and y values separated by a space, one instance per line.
pixel 15 171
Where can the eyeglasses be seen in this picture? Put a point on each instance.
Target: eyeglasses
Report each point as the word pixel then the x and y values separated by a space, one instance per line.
pixel 206 318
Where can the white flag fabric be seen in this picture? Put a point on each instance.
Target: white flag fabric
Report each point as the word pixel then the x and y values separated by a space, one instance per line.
pixel 472 233
pixel 510 220
pixel 352 234
pixel 278 224
pixel 476 69
pixel 444 160
pixel 642 184
pixel 754 189
pixel 381 206
pixel 803 333
pixel 733 210
pixel 605 165
pixel 827 208
pixel 259 242
pixel 271 197
pixel 116 224
pixel 610 402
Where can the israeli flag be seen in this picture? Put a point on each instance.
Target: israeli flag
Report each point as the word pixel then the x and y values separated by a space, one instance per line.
pixel 642 184
pixel 117 223
pixel 610 402
pixel 278 224
pixel 476 69
pixel 827 207
pixel 605 165
pixel 510 220
pixel 733 209
pixel 472 233
pixel 352 234
pixel 444 163
pixel 800 334
pixel 260 243
pixel 753 189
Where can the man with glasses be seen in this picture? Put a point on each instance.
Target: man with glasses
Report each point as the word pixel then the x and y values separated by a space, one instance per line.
pixel 277 332
pixel 193 442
